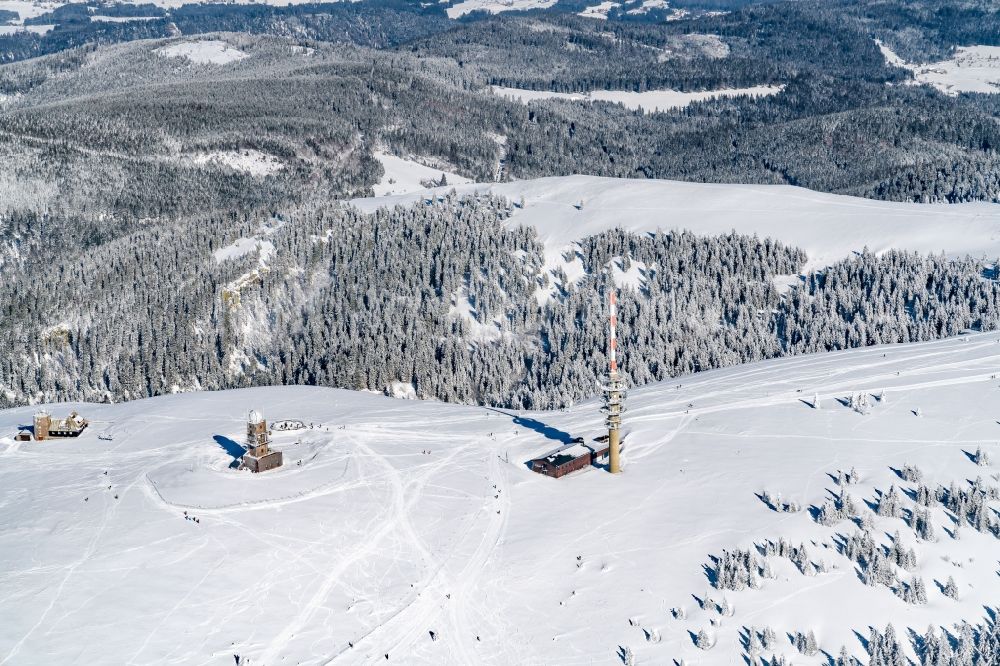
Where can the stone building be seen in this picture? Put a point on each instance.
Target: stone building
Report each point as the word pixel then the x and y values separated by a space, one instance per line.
pixel 259 456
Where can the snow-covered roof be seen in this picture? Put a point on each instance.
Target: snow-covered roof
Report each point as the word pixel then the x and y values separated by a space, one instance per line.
pixel 255 417
pixel 566 453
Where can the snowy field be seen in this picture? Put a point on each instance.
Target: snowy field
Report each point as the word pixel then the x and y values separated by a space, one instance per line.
pixel 244 246
pixel 402 176
pixel 599 11
pixel 203 52
pixel 393 519
pixel 258 243
pixel 974 69
pixel 249 161
pixel 122 19
pixel 462 8
pixel 28 9
pixel 14 29
pixel 650 100
pixel 647 5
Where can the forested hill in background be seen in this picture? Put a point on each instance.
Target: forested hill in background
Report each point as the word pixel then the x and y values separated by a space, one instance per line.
pixel 129 109
pixel 201 175
pixel 921 30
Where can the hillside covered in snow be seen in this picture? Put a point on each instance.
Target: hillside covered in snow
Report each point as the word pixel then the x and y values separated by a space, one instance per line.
pixel 827 227
pixel 754 499
pixel 399 229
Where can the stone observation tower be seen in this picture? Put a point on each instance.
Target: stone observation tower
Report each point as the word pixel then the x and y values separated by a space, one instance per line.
pixel 42 423
pixel 259 456
pixel 614 392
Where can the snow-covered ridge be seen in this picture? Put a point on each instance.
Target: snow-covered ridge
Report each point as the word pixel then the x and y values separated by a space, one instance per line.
pixel 828 227
pixel 393 519
pixel 974 69
pixel 650 100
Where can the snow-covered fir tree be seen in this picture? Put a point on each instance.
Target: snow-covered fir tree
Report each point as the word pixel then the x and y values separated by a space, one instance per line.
pixel 950 589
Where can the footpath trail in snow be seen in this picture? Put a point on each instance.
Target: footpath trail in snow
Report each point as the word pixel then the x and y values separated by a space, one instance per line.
pixel 393 519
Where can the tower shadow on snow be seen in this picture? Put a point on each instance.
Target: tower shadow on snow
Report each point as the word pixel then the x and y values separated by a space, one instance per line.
pixel 231 447
pixel 542 429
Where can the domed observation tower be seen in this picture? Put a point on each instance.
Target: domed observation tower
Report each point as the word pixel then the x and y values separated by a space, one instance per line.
pixel 259 456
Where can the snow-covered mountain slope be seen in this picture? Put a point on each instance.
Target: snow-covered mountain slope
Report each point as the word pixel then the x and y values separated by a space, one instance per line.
pixel 394 519
pixel 829 227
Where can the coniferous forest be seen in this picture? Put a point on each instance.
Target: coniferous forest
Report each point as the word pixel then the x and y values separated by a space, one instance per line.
pixel 441 295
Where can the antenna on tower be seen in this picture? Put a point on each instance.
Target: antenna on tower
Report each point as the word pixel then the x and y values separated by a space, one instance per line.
pixel 614 390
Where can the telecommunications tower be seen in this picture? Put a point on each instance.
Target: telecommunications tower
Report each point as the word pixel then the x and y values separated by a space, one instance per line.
pixel 614 391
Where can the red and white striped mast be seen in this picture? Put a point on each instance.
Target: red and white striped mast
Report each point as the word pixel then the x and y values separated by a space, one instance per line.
pixel 614 390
